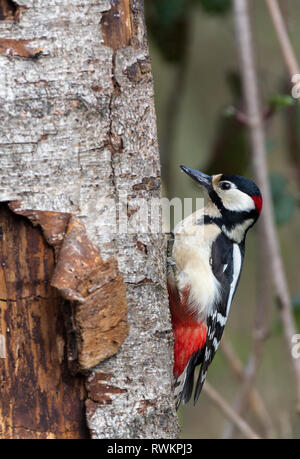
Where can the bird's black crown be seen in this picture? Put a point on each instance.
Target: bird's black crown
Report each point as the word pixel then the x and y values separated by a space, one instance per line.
pixel 243 184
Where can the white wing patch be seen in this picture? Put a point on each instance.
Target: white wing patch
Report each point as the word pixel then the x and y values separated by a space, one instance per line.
pixel 216 344
pixel 222 319
pixel 237 264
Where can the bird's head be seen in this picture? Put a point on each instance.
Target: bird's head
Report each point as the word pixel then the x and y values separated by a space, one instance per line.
pixel 237 200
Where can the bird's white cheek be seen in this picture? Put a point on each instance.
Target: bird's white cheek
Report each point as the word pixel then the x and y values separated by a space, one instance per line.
pixel 237 201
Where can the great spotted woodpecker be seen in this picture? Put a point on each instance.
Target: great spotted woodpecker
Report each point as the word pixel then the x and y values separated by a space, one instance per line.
pixel 207 252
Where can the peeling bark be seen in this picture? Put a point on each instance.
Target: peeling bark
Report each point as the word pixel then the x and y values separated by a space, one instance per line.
pixel 96 322
pixel 9 10
pixel 39 396
pixel 78 134
pixel 97 292
pixel 19 48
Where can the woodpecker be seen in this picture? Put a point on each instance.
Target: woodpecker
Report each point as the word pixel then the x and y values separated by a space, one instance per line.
pixel 205 258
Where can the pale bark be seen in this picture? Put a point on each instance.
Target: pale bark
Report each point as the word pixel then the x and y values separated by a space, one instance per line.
pixel 78 128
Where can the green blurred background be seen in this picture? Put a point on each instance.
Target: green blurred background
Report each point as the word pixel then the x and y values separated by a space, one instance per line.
pixel 198 101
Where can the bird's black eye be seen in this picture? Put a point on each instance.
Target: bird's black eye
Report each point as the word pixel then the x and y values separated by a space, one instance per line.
pixel 225 186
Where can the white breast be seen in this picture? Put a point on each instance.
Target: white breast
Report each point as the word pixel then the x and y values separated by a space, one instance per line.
pixel 191 253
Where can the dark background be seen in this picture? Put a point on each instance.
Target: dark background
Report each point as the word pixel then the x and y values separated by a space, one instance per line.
pixel 198 99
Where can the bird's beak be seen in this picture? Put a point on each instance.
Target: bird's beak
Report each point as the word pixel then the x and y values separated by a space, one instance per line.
pixel 204 179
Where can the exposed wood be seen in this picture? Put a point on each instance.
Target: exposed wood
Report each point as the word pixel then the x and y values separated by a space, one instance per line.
pixel 9 10
pixel 19 48
pixel 96 319
pixel 39 396
pixel 52 224
pixel 116 24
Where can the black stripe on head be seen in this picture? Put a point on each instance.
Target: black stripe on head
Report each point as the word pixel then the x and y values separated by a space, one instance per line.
pixel 242 183
pixel 216 200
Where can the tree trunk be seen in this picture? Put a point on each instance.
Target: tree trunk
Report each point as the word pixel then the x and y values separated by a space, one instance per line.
pixel 79 156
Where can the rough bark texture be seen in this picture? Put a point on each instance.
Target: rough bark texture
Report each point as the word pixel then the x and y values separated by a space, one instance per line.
pixel 79 129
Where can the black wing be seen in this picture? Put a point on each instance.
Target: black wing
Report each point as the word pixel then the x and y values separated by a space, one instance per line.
pixel 226 262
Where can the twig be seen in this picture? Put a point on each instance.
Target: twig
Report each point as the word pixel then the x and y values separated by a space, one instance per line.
pixel 283 37
pixel 273 259
pixel 219 401
pixel 261 317
pixel 255 400
pixel 280 16
pixel 240 402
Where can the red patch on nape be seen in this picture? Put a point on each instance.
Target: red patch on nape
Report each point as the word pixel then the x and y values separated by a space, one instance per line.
pixel 258 202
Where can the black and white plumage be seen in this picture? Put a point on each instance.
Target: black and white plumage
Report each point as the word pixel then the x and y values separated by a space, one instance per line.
pixel 207 258
pixel 227 260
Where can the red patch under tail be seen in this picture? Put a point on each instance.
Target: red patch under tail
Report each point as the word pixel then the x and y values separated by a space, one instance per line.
pixel 189 335
pixel 188 339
